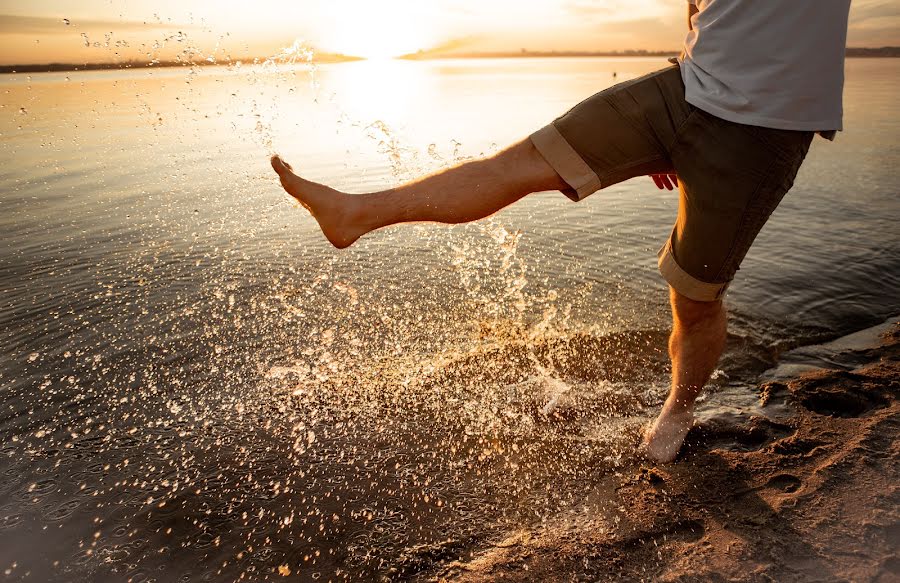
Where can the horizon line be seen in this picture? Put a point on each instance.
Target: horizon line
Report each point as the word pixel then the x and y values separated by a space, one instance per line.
pixel 422 55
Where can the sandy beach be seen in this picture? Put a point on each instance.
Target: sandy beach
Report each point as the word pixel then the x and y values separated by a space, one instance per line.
pixel 806 492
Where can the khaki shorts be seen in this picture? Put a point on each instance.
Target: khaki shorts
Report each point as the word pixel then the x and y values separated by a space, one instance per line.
pixel 731 176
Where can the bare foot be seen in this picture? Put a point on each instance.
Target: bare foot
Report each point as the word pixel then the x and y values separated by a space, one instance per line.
pixel 664 438
pixel 336 212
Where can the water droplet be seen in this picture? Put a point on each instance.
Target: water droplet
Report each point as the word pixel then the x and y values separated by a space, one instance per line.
pixel 66 21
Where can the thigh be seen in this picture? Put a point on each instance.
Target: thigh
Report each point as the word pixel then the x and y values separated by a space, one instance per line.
pixel 617 134
pixel 732 177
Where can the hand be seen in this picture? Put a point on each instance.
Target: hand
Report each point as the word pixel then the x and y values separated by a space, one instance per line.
pixel 665 181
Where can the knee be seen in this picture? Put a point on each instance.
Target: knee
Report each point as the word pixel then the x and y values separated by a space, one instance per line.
pixel 690 314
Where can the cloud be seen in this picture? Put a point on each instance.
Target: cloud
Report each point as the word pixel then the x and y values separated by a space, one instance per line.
pixel 874 23
pixel 588 8
pixel 873 9
pixel 617 11
pixel 40 25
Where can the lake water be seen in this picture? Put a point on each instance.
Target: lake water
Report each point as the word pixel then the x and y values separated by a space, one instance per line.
pixel 195 386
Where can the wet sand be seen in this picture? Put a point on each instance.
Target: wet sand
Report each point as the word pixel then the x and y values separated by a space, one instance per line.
pixel 808 491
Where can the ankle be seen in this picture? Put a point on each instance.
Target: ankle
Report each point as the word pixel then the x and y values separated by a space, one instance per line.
pixel 678 407
pixel 356 214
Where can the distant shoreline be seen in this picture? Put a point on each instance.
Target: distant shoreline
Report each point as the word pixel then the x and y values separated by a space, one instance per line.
pixel 852 52
pixel 882 52
pixel 525 54
pixel 321 59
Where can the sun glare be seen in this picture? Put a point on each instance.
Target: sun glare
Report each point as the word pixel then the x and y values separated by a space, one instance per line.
pixel 378 30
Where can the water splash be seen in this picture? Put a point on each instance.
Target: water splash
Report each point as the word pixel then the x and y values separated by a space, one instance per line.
pixel 297 415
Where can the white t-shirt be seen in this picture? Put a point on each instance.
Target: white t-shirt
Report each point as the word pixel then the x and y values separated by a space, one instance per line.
pixel 769 63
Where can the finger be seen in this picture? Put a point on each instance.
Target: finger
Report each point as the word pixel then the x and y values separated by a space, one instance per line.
pixel 656 178
pixel 665 180
pixel 674 179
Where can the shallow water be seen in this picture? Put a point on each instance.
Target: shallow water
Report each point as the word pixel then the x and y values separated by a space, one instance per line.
pixel 196 386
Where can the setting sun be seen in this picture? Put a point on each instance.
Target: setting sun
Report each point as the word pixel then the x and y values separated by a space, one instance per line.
pixel 377 30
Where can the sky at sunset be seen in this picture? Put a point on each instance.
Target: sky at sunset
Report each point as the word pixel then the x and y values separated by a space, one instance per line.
pixel 42 31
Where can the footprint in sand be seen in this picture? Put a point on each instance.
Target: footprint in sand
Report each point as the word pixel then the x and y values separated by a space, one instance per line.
pixel 842 404
pixel 827 395
pixel 785 482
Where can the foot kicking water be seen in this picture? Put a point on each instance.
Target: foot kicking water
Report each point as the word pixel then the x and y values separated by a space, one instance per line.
pixel 336 212
pixel 462 194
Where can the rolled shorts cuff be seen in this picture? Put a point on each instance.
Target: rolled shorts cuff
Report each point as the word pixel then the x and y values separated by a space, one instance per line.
pixel 563 158
pixel 685 283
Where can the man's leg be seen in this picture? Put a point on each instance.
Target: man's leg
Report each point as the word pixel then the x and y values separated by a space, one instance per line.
pixel 697 341
pixel 465 193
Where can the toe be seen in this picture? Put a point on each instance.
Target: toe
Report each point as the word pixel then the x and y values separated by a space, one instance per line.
pixel 277 164
pixel 280 166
